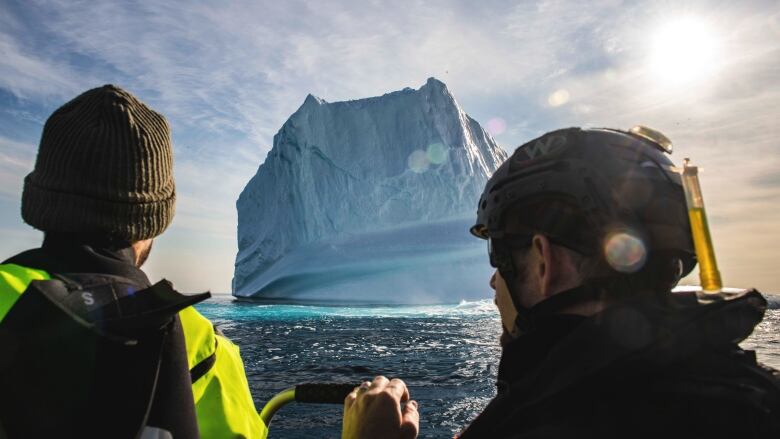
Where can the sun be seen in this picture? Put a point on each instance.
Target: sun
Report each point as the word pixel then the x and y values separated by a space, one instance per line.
pixel 683 51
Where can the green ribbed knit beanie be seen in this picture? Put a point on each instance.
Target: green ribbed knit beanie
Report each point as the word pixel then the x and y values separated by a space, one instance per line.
pixel 104 167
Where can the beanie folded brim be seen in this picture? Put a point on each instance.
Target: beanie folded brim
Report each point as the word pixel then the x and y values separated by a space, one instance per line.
pixel 53 211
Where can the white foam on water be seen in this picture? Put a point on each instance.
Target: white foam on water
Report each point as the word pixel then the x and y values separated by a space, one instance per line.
pixel 224 307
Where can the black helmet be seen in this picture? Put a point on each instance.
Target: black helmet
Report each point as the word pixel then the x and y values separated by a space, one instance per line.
pixel 615 181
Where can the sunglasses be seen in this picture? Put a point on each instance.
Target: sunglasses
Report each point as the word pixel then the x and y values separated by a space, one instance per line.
pixel 514 242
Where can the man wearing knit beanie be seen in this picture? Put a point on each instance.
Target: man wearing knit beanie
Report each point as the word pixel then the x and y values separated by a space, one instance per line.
pixel 101 190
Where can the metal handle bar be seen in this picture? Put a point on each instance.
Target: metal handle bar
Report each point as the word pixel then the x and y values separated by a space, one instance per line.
pixel 309 393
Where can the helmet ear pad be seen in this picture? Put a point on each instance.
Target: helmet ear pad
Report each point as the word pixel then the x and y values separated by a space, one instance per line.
pixel 662 271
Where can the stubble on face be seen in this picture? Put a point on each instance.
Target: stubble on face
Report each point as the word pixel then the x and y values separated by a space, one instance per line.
pixel 503 299
pixel 506 308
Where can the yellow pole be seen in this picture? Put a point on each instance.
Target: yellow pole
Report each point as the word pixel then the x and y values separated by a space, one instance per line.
pixel 702 241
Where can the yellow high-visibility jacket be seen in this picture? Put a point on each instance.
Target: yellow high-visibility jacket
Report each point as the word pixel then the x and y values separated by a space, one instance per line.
pixel 223 402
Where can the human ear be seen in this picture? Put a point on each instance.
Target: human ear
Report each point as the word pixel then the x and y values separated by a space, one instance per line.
pixel 544 264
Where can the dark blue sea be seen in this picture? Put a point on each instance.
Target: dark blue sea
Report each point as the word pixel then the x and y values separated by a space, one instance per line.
pixel 447 355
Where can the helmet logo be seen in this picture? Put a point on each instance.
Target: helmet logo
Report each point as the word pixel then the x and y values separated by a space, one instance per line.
pixel 545 145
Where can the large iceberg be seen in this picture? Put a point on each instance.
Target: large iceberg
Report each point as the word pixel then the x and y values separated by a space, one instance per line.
pixel 368 201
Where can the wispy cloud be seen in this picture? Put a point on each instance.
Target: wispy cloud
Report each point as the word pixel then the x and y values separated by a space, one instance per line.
pixel 16 161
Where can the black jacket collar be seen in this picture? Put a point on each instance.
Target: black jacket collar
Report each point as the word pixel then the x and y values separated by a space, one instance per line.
pixel 61 254
pixel 634 335
pixel 523 354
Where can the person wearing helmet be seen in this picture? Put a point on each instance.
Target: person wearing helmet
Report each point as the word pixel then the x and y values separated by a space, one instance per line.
pixel 588 232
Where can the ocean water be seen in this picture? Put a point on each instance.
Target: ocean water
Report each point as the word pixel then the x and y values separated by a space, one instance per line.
pixel 446 354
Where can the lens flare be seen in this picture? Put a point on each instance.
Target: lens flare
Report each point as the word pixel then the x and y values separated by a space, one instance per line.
pixel 437 153
pixel 625 252
pixel 418 161
pixel 558 98
pixel 495 126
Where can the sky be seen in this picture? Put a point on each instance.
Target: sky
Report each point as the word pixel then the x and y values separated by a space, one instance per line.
pixel 228 74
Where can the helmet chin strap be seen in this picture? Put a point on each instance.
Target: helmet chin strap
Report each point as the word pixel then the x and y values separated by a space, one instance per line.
pixel 524 321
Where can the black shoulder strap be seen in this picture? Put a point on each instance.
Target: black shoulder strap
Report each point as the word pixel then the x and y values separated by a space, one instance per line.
pixel 205 365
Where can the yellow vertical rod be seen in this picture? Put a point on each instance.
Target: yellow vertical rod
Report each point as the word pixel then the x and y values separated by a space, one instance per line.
pixel 702 241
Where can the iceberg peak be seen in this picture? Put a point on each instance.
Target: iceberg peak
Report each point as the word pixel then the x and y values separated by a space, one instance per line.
pixel 312 100
pixel 435 83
